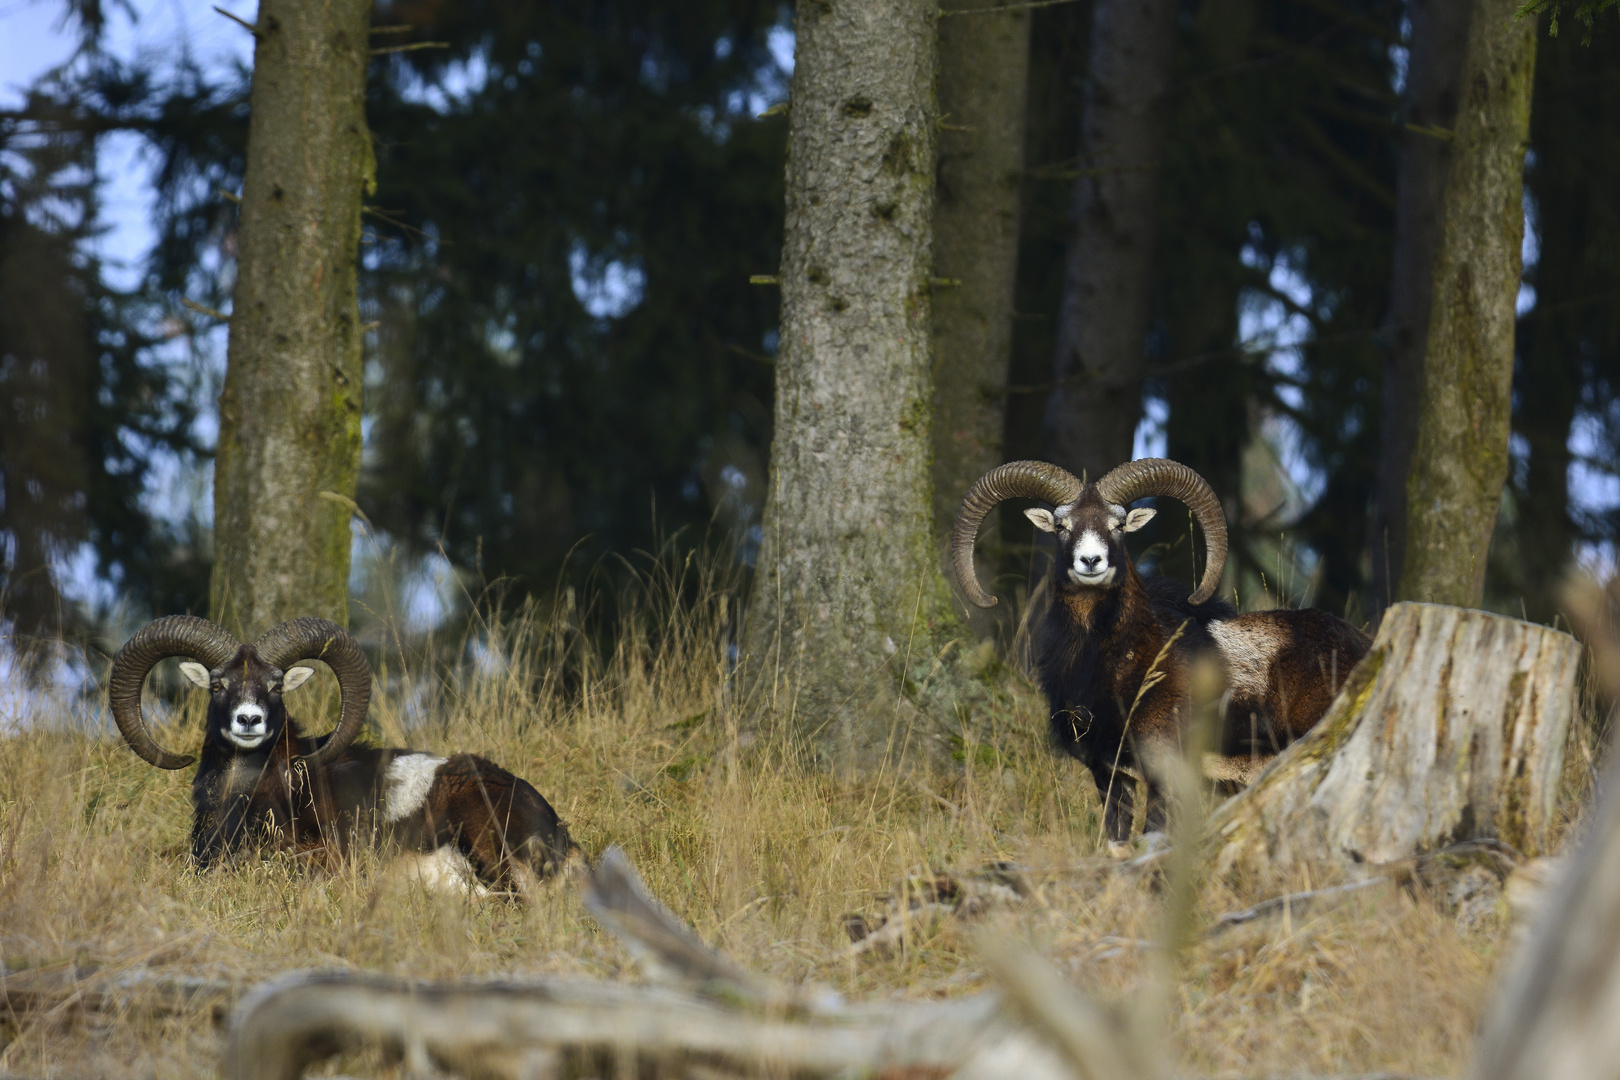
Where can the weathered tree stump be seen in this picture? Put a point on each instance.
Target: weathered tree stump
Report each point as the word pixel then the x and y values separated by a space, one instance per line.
pixel 1452 728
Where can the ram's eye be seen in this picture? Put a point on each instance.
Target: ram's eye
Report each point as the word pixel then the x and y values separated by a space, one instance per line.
pixel 218 687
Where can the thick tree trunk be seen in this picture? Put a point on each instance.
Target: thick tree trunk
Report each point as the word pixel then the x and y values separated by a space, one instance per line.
pixel 1459 465
pixel 848 578
pixel 1434 66
pixel 1453 728
pixel 289 417
pixel 982 89
pixel 1102 327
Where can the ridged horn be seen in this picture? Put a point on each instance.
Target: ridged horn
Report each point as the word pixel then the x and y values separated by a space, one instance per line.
pixel 1014 480
pixel 310 638
pixel 174 635
pixel 1161 476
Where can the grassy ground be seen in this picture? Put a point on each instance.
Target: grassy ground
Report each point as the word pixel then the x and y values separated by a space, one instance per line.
pixel 646 750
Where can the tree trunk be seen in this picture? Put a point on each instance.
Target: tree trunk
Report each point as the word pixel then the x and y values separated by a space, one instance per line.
pixel 1453 728
pixel 1433 68
pixel 848 579
pixel 1102 327
pixel 982 89
pixel 1460 461
pixel 289 417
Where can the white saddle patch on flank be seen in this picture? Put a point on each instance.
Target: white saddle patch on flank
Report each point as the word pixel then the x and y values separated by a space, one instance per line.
pixel 407 781
pixel 442 870
pixel 1249 647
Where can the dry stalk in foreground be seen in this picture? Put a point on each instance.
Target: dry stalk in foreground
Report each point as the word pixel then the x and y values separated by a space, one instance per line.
pixel 717 1017
pixel 1557 1011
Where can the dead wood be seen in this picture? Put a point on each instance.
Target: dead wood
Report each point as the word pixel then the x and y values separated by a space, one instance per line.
pixel 81 990
pixel 1452 729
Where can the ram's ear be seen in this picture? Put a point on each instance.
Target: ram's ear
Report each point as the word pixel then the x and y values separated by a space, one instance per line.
pixel 1042 519
pixel 295 677
pixel 1138 518
pixel 196 674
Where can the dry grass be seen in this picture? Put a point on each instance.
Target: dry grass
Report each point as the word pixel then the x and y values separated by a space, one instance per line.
pixel 647 749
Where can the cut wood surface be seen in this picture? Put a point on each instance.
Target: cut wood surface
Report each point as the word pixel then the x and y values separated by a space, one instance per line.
pixel 1452 729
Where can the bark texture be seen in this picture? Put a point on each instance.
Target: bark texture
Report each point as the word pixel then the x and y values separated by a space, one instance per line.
pixel 1433 70
pixel 289 428
pixel 1102 326
pixel 1453 728
pixel 848 575
pixel 1460 461
pixel 982 90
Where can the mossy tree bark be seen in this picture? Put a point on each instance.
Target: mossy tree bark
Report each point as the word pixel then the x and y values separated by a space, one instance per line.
pixel 1460 460
pixel 1433 70
pixel 289 417
pixel 1452 728
pixel 848 582
pixel 982 91
pixel 1102 328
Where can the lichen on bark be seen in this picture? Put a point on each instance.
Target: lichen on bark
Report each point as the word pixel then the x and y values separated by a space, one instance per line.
pixel 290 411
pixel 848 588
pixel 1459 465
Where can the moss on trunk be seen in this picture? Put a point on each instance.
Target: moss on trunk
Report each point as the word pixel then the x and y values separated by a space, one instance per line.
pixel 289 430
pixel 848 588
pixel 1454 488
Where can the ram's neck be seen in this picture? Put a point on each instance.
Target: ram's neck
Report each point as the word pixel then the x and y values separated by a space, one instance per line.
pixel 1096 612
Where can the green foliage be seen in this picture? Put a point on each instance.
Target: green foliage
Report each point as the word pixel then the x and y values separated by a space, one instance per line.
pixel 604 139
pixel 82 405
pixel 1568 377
pixel 1585 11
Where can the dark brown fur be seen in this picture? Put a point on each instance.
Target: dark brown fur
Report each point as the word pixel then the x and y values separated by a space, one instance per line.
pixel 267 798
pixel 1099 643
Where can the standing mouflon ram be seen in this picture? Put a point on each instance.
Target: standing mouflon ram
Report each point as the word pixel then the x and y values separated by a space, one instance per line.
pixel 464 821
pixel 1106 627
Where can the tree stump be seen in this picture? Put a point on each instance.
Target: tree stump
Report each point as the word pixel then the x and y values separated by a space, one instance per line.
pixel 1452 728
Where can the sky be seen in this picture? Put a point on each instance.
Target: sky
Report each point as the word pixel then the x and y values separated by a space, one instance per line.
pixel 34 40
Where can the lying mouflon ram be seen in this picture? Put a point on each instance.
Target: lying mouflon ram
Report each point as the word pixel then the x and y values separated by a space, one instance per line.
pixel 1106 626
pixel 463 822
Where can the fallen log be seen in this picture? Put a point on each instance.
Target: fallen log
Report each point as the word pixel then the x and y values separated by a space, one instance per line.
pixel 1452 729
pixel 74 990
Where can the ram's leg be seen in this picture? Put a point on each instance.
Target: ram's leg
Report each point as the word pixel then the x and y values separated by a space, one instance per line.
pixel 1117 790
pixel 1158 809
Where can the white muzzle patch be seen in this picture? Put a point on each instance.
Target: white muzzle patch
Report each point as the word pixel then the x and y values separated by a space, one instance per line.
pixel 247 728
pixel 1091 565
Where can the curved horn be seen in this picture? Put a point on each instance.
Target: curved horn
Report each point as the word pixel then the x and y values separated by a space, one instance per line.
pixel 1016 479
pixel 175 635
pixel 1161 476
pixel 310 638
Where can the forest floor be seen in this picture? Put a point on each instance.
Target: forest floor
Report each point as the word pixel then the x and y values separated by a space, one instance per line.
pixel 765 858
